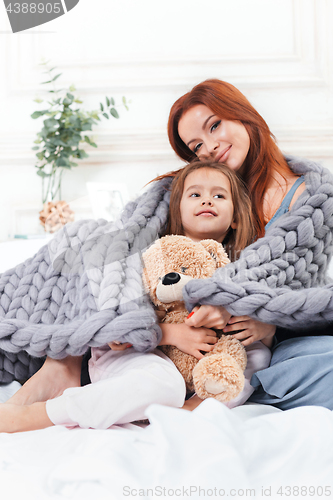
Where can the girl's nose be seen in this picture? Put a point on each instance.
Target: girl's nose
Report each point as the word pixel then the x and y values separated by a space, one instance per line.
pixel 207 201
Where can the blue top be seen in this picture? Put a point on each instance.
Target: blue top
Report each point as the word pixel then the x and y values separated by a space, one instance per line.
pixel 284 207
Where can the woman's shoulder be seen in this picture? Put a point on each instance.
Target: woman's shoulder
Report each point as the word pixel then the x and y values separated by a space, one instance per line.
pixel 303 166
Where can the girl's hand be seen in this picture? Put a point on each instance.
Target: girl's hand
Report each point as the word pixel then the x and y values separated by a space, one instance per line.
pixel 252 330
pixel 117 346
pixel 188 339
pixel 209 317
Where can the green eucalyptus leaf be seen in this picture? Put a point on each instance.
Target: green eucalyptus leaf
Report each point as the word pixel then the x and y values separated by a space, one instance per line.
pixel 42 174
pixel 87 126
pixel 112 101
pixel 87 139
pixel 107 102
pixel 35 148
pixel 83 154
pixel 114 112
pixel 102 107
pixel 56 77
pixel 40 155
pixel 106 116
pixel 37 114
pixel 62 162
pixel 50 123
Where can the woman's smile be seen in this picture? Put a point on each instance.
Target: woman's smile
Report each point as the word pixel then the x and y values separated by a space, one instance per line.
pixel 224 155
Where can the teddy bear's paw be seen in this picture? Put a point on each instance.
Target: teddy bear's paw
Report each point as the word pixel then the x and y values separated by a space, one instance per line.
pixel 215 386
pixel 218 376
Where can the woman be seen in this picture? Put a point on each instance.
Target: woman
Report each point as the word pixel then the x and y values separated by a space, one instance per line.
pixel 214 119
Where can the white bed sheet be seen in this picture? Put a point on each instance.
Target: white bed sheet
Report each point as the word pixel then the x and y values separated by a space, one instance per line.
pixel 240 453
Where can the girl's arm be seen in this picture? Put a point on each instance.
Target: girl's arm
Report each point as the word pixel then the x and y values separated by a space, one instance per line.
pixel 188 339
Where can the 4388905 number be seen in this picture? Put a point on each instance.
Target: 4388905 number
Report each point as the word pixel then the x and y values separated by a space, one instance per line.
pixel 303 491
pixel 34 8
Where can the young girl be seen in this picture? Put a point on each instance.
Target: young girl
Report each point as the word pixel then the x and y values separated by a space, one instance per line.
pixel 208 202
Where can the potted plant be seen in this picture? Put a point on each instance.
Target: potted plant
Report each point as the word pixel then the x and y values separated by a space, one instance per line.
pixel 63 135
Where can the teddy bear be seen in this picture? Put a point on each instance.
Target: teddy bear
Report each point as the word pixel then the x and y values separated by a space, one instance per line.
pixel 168 264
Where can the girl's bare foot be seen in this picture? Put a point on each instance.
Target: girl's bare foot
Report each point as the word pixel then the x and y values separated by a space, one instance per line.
pixel 14 418
pixel 192 403
pixel 50 381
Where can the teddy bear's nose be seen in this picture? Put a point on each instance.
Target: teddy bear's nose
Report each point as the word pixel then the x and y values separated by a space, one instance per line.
pixel 170 279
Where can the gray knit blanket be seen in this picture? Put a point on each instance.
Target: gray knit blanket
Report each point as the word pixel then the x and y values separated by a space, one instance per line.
pixel 85 288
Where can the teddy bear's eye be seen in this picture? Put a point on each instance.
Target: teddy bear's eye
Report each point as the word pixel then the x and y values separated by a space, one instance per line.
pixel 183 269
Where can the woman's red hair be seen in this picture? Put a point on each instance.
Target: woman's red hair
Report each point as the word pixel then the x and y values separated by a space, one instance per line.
pixel 263 157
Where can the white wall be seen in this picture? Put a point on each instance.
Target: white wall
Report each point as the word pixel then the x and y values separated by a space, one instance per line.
pixel 278 52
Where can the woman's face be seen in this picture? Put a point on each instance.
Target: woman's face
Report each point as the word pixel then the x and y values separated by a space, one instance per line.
pixel 206 134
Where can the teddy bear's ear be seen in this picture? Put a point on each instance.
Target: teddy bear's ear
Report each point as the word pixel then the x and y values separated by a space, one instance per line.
pixel 217 251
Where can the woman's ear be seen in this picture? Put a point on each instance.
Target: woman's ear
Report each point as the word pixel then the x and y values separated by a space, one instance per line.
pixel 233 225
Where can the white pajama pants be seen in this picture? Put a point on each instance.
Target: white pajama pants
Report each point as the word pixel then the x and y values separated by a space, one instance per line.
pixel 125 383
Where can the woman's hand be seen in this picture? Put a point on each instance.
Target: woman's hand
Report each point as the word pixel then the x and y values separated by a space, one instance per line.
pixel 188 339
pixel 251 330
pixel 209 317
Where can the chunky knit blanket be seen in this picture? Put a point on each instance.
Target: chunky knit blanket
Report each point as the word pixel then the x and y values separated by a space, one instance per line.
pixel 281 278
pixel 85 288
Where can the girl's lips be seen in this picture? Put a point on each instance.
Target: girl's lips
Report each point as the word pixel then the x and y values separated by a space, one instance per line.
pixel 207 213
pixel 224 155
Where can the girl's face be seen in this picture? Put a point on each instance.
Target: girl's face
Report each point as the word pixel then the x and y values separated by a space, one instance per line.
pixel 206 206
pixel 206 134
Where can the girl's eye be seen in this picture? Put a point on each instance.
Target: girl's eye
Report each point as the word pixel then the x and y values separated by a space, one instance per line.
pixel 197 147
pixel 194 195
pixel 215 125
pixel 218 196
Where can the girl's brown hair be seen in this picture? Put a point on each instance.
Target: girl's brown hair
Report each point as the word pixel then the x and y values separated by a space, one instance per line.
pixel 263 157
pixel 236 239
